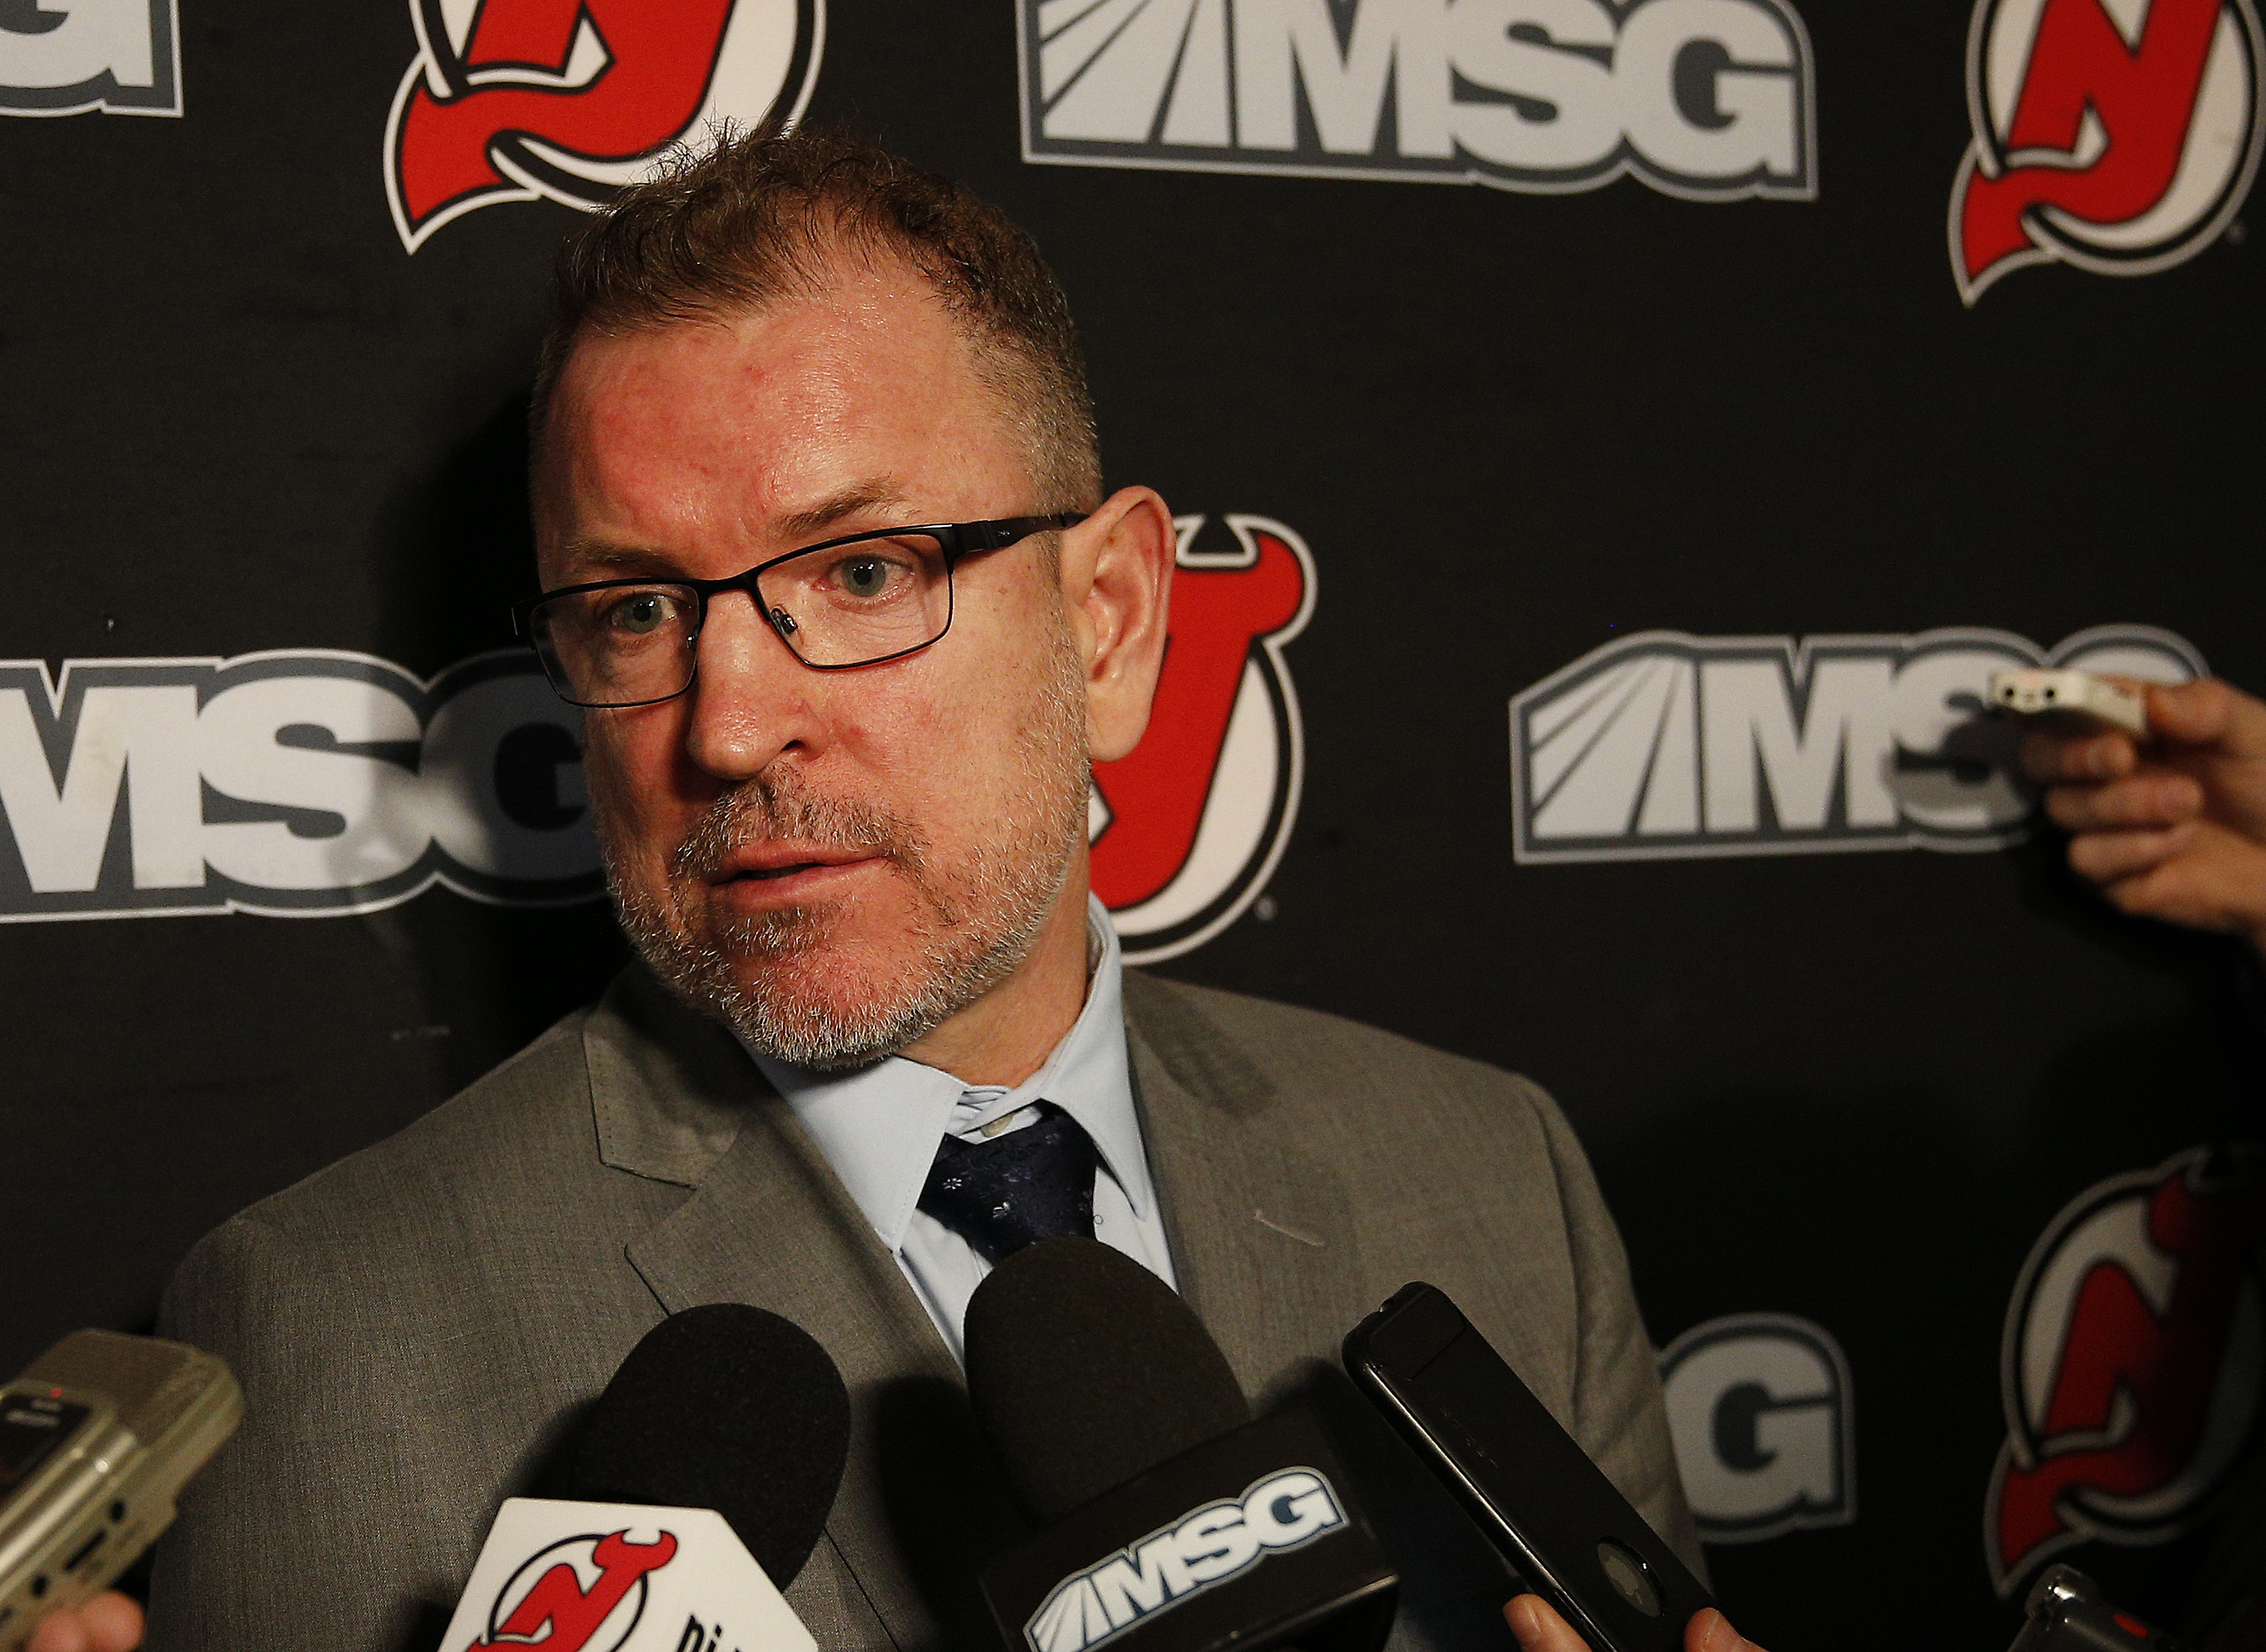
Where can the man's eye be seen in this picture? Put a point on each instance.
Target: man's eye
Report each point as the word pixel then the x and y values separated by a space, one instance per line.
pixel 641 613
pixel 865 576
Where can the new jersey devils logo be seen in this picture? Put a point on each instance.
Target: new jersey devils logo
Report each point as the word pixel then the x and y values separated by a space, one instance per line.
pixel 2132 1364
pixel 563 1597
pixel 572 99
pixel 1187 828
pixel 2118 135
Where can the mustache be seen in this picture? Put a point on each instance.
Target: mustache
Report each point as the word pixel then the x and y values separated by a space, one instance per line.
pixel 769 807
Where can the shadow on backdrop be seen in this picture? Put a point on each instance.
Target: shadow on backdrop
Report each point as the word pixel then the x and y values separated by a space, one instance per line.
pixel 494 976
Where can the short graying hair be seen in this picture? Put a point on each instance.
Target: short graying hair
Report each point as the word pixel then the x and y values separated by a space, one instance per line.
pixel 766 217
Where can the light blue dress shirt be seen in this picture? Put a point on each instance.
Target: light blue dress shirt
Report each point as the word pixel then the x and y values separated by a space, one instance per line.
pixel 879 1127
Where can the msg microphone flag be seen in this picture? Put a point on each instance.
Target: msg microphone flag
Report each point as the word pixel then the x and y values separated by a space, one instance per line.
pixel 1171 1522
pixel 619 1577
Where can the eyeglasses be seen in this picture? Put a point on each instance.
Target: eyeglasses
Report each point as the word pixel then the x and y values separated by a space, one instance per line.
pixel 854 601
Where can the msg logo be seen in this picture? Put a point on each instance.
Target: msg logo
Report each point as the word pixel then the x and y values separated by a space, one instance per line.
pixel 295 782
pixel 119 57
pixel 1704 98
pixel 1202 1549
pixel 1663 746
pixel 1761 1412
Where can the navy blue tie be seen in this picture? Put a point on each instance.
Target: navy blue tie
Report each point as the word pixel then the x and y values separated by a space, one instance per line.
pixel 1015 1189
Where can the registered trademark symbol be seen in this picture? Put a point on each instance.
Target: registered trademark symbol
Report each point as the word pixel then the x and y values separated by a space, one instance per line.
pixel 2237 233
pixel 1263 909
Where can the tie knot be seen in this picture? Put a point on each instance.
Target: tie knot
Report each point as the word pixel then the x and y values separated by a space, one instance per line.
pixel 1031 1184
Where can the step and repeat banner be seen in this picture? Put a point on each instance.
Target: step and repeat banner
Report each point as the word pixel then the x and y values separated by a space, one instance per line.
pixel 1615 444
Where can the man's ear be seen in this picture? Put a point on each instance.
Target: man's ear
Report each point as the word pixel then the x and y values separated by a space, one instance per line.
pixel 1116 584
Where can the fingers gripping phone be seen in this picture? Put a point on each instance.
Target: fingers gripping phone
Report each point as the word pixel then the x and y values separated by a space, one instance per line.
pixel 1545 1505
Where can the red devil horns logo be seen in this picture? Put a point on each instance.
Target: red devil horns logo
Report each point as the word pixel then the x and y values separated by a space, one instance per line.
pixel 2118 135
pixel 556 1612
pixel 2133 1363
pixel 570 99
pixel 1189 826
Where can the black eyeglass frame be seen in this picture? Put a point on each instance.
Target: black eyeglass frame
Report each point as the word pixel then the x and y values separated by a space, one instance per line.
pixel 959 540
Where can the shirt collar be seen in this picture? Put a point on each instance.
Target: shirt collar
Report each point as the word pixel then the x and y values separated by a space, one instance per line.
pixel 879 1126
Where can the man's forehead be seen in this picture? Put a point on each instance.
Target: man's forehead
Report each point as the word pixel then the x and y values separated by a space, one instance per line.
pixel 861 405
pixel 638 483
pixel 702 384
pixel 787 363
pixel 874 500
pixel 883 305
pixel 869 353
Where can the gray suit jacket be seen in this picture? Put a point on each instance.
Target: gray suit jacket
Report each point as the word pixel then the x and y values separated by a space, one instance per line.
pixel 415 1327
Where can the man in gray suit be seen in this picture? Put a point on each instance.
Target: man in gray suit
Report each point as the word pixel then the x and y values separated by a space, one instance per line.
pixel 827 558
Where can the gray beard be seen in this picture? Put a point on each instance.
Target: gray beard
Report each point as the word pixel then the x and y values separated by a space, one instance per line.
pixel 974 925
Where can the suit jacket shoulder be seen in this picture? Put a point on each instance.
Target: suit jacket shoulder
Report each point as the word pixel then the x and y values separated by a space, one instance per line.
pixel 419 1327
pixel 412 1326
pixel 1342 1075
pixel 384 1250
pixel 1363 1160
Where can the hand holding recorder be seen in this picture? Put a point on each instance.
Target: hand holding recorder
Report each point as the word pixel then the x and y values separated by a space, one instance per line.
pixel 2171 825
pixel 97 1439
pixel 110 1622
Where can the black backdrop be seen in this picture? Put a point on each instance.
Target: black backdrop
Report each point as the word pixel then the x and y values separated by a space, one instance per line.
pixel 1512 427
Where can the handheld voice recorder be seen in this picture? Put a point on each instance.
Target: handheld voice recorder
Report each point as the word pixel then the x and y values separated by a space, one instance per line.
pixel 96 1441
pixel 2071 694
pixel 1548 1509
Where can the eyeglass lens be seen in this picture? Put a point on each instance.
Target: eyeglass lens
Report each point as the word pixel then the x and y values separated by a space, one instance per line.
pixel 841 605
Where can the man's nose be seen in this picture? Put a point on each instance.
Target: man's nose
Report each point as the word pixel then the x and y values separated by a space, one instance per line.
pixel 750 697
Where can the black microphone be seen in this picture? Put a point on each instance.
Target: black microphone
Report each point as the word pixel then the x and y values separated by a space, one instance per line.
pixel 1172 1522
pixel 701 1482
pixel 727 1407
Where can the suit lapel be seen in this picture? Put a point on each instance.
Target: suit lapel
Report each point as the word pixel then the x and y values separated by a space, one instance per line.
pixel 769 1223
pixel 1260 1225
pixel 771 1226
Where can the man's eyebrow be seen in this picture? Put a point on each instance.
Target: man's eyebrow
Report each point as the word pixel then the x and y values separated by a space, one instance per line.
pixel 876 493
pixel 605 558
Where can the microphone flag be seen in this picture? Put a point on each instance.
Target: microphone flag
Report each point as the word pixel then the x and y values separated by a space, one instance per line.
pixel 619 1577
pixel 1249 1541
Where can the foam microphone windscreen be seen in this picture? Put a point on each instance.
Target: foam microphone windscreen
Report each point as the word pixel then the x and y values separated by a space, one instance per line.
pixel 1087 1370
pixel 727 1407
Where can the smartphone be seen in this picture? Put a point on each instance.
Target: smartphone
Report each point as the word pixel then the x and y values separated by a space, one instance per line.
pixel 1545 1505
pixel 2035 691
pixel 97 1438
